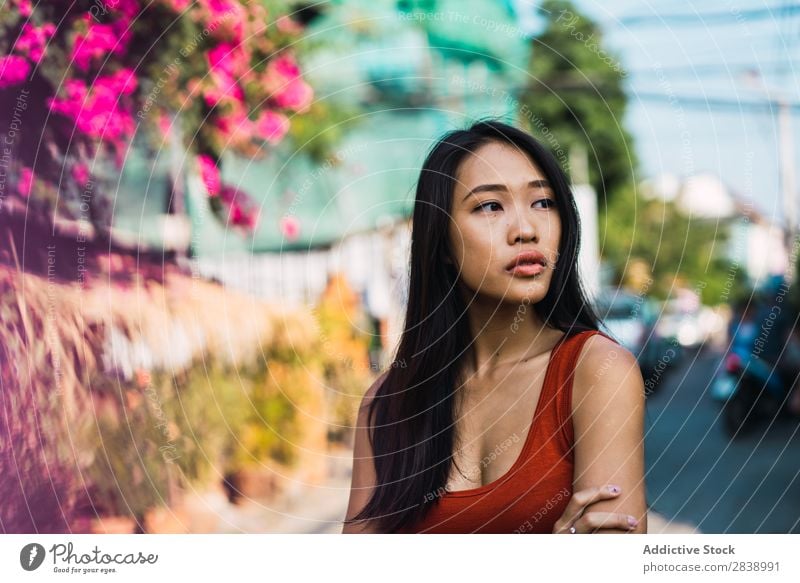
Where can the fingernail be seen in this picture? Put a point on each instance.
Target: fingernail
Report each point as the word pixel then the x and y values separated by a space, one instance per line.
pixel 632 521
pixel 614 489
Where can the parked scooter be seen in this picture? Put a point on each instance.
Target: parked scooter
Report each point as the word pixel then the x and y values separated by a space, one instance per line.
pixel 754 383
pixel 752 389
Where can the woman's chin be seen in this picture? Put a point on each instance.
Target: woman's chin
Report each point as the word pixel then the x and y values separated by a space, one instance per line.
pixel 532 288
pixel 514 296
pixel 528 290
pixel 524 298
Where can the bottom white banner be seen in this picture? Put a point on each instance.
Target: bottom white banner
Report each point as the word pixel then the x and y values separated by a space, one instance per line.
pixel 352 558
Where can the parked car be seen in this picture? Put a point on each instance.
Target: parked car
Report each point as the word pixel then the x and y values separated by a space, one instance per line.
pixel 631 320
pixel 684 324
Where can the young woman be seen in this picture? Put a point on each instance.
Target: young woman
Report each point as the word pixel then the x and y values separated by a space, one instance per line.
pixel 512 413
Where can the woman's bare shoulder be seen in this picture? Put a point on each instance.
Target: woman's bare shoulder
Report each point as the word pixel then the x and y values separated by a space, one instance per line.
pixel 370 393
pixel 601 355
pixel 605 372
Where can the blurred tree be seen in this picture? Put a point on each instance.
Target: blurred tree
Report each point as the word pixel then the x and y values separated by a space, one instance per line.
pixel 575 98
pixel 675 247
pixel 575 102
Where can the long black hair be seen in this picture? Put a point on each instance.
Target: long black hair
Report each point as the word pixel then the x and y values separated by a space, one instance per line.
pixel 411 414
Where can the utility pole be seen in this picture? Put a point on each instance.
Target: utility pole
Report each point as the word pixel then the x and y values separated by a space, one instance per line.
pixel 788 185
pixel 586 201
pixel 785 163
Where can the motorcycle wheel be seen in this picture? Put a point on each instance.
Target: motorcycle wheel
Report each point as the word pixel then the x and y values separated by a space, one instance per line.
pixel 738 412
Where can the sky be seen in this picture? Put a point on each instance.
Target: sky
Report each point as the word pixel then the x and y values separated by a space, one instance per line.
pixel 700 77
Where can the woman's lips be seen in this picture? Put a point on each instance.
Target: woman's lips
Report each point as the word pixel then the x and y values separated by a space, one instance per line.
pixel 526 269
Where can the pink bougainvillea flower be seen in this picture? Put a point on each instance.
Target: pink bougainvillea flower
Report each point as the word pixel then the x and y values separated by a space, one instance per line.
pixel 225 17
pixel 236 214
pixel 24 7
pixel 231 60
pixel 241 217
pixel 32 40
pixel 235 125
pixel 290 227
pixel 297 95
pixel 222 90
pixel 102 115
pixel 228 193
pixel 285 66
pixel 227 63
pixel 97 110
pixel 80 173
pixel 13 70
pixel 128 8
pixel 25 182
pixel 71 105
pixel 282 79
pixel 123 82
pixel 210 174
pixel 218 8
pixel 99 40
pixel 241 209
pixel 272 126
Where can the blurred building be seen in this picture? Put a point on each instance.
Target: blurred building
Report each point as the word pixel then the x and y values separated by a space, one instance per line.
pixel 757 242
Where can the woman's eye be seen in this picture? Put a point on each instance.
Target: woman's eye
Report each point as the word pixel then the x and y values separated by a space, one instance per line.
pixel 550 202
pixel 494 206
pixel 486 204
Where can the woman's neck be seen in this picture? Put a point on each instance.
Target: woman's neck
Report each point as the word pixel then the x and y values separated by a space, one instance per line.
pixel 505 334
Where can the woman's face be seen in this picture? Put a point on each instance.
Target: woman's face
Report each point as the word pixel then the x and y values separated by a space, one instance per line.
pixel 503 206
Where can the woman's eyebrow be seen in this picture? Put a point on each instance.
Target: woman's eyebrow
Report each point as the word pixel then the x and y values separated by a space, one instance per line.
pixel 539 183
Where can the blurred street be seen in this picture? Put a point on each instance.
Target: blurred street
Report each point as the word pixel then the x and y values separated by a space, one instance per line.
pixel 695 474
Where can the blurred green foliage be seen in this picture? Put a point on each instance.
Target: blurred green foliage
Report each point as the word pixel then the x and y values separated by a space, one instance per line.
pixel 576 98
pixel 679 250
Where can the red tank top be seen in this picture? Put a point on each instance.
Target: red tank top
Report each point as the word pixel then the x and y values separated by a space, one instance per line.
pixel 534 492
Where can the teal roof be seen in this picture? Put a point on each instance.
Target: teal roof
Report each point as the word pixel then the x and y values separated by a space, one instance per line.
pixel 464 29
pixel 470 30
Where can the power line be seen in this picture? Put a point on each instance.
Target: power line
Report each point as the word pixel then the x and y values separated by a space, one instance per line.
pixel 784 67
pixel 728 16
pixel 766 106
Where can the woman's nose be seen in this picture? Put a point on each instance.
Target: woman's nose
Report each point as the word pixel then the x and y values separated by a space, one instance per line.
pixel 522 227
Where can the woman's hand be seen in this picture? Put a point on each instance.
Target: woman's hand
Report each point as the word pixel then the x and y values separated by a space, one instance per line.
pixel 587 523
